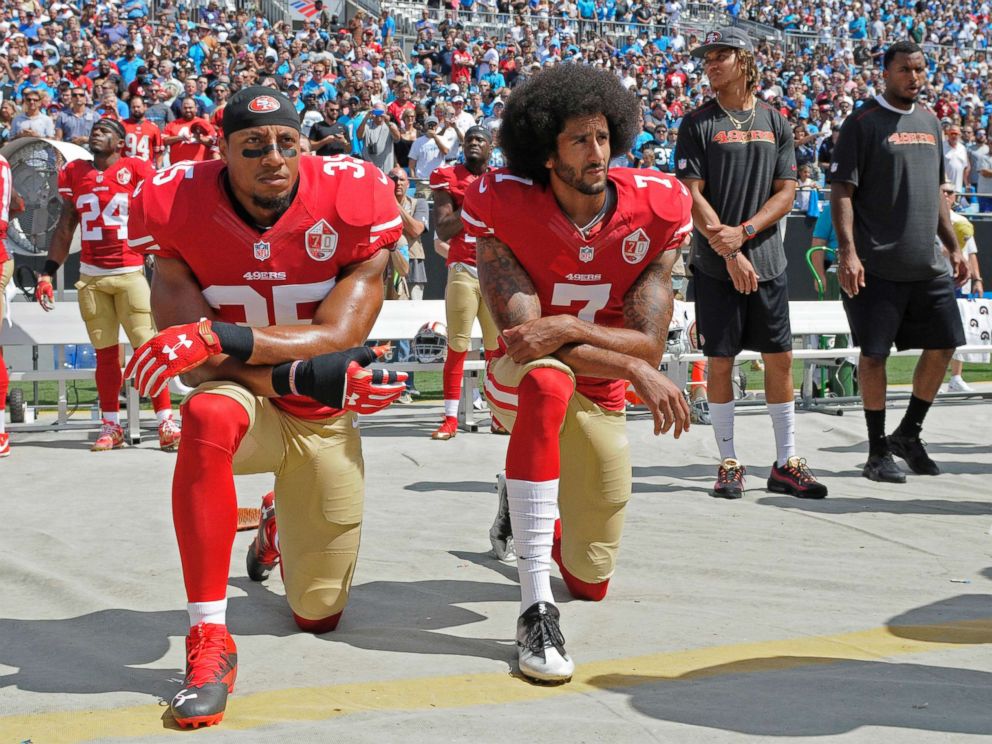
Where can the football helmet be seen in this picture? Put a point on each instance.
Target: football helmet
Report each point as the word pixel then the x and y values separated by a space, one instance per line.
pixel 431 343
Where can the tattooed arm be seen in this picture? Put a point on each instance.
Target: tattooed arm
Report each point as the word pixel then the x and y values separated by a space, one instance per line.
pixel 611 353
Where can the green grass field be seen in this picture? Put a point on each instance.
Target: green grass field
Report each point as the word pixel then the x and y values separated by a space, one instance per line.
pixel 429 383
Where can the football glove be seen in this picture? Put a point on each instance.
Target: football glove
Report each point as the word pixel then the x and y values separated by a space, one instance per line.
pixel 340 380
pixel 44 293
pixel 170 353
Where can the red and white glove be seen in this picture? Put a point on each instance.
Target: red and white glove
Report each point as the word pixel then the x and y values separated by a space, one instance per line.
pixel 170 353
pixel 44 293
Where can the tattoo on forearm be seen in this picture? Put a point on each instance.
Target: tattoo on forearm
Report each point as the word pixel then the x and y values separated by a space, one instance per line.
pixel 649 302
pixel 506 287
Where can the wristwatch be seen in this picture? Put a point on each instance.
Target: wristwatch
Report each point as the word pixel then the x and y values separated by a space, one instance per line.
pixel 749 231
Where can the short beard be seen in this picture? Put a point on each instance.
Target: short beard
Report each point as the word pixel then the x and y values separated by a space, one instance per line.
pixel 277 204
pixel 568 175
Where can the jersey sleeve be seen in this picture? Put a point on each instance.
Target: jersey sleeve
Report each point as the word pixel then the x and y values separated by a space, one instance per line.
pixel 368 206
pixel 671 207
pixel 477 208
pixel 148 225
pixel 845 163
pixel 441 179
pixel 785 163
pixel 689 152
pixel 65 180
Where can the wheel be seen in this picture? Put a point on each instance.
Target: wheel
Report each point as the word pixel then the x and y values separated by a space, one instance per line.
pixel 16 406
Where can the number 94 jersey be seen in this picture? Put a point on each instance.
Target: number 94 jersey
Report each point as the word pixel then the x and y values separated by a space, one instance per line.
pixel 102 202
pixel 573 275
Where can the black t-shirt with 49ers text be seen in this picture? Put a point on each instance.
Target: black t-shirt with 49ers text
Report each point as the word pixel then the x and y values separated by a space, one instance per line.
pixel 738 167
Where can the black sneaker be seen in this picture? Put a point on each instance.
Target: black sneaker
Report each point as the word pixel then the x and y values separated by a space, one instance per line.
pixel 541 645
pixel 796 479
pixel 729 480
pixel 883 468
pixel 913 451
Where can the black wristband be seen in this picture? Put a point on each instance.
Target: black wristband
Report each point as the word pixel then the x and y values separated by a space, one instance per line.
pixel 50 267
pixel 237 341
pixel 322 378
pixel 280 378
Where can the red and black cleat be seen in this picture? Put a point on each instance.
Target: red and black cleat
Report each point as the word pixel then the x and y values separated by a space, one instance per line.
pixel 796 479
pixel 211 668
pixel 263 555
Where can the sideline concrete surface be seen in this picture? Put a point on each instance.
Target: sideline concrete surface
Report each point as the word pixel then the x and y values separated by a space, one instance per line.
pixel 863 618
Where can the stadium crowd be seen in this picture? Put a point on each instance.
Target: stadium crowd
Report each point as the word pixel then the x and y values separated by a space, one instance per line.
pixel 359 90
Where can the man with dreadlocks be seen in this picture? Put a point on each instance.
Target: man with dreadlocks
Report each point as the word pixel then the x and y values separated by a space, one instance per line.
pixel 575 264
pixel 735 154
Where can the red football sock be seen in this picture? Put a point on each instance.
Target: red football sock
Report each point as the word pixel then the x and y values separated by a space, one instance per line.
pixel 542 399
pixel 109 378
pixel 576 587
pixel 204 502
pixel 162 401
pixel 324 625
pixel 454 365
pixel 4 384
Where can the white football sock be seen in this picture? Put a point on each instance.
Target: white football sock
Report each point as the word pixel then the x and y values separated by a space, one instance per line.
pixel 533 506
pixel 784 424
pixel 207 612
pixel 3 420
pixel 451 408
pixel 722 419
pixel 113 417
pixel 165 413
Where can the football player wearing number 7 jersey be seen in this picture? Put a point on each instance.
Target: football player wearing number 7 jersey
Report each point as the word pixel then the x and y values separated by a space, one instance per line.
pixel 575 264
pixel 268 278
pixel 113 291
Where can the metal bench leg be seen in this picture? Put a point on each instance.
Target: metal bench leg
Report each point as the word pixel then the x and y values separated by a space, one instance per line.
pixel 466 413
pixel 133 414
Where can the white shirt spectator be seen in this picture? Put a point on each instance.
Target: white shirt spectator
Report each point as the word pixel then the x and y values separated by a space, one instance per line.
pixel 955 163
pixel 428 155
pixel 41 124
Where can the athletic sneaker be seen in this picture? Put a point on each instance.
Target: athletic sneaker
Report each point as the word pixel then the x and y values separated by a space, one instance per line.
pixel 447 429
pixel 541 645
pixel 883 468
pixel 211 668
pixel 729 480
pixel 495 427
pixel 795 479
pixel 168 435
pixel 913 451
pixel 957 385
pixel 699 412
pixel 501 533
pixel 111 437
pixel 262 553
pixel 4 443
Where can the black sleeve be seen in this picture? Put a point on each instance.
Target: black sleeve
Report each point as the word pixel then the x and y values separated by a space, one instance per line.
pixel 785 165
pixel 691 156
pixel 845 165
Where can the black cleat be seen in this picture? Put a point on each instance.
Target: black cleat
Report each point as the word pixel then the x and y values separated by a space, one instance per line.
pixel 913 451
pixel 883 468
pixel 796 479
pixel 211 668
pixel 729 480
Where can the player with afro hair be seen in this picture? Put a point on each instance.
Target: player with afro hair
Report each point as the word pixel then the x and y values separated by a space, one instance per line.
pixel 536 113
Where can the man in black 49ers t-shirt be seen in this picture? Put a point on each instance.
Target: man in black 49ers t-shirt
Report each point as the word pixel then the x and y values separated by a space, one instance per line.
pixel 886 174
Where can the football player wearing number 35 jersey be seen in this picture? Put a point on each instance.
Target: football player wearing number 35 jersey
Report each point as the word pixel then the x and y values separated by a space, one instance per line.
pixel 268 280
pixel 575 265
pixel 113 291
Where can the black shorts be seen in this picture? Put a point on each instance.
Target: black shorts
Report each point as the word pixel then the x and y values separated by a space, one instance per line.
pixel 912 315
pixel 730 321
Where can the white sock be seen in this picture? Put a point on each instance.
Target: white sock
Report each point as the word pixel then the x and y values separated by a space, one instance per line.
pixel 722 419
pixel 784 424
pixel 533 506
pixel 165 413
pixel 3 420
pixel 451 408
pixel 956 378
pixel 207 612
pixel 113 417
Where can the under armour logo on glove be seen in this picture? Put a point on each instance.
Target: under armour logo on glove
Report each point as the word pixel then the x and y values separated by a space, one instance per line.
pixel 173 351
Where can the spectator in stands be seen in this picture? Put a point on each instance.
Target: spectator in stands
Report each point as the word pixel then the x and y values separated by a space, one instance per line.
pixel 964 231
pixel 430 149
pixel 984 165
pixel 190 137
pixel 33 121
pixel 378 134
pixel 74 123
pixel 329 137
pixel 956 161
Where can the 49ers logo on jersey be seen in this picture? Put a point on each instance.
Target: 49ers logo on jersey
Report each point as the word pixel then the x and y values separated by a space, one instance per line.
pixel 123 177
pixel 263 104
pixel 321 241
pixel 635 246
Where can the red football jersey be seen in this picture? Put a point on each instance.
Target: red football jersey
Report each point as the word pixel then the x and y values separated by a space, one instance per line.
pixel 456 180
pixel 572 275
pixel 101 199
pixel 192 150
pixel 142 140
pixel 344 213
pixel 6 194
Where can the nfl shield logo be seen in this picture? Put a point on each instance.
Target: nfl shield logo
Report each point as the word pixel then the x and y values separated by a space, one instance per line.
pixel 586 253
pixel 321 241
pixel 635 246
pixel 262 250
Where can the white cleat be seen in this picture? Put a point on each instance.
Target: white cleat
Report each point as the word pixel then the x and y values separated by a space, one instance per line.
pixel 501 533
pixel 541 645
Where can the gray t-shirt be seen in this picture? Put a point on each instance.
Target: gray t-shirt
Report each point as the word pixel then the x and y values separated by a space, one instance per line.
pixel 895 162
pixel 738 168
pixel 377 146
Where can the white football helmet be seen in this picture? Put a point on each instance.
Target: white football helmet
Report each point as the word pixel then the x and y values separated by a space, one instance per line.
pixel 431 343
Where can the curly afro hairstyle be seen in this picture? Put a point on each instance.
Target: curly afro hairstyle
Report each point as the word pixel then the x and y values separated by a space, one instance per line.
pixel 536 113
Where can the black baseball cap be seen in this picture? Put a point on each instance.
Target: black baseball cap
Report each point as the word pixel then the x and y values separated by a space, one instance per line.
pixel 731 36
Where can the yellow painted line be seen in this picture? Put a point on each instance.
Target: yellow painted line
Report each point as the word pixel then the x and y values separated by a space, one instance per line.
pixel 464 691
